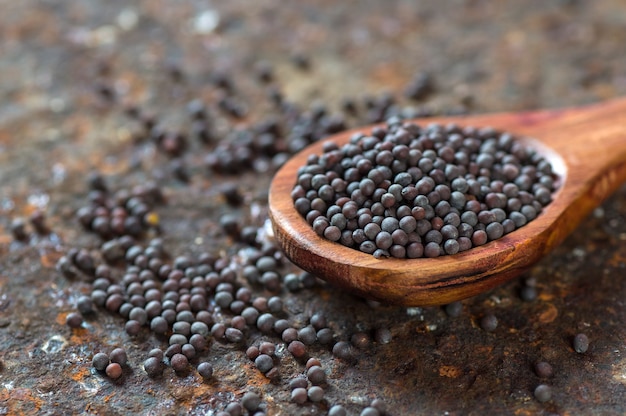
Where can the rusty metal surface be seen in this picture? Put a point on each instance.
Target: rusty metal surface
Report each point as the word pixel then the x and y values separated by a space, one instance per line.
pixel 484 56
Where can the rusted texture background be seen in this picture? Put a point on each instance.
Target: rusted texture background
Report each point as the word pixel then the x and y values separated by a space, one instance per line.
pixel 56 126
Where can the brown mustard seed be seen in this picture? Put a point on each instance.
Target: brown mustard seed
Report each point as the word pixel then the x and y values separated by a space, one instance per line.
pixel 299 395
pixel 118 355
pixel 489 322
pixel 100 361
pixel 438 191
pixel 297 349
pixel 114 371
pixel 179 363
pixel 543 393
pixel 74 320
pixel 205 370
pixel 543 369
pixel 580 343
pixel 153 367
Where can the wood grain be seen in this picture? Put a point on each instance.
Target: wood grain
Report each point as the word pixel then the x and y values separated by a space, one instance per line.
pixel 587 149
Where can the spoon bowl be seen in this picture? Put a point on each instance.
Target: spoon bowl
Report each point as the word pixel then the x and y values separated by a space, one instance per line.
pixel 586 147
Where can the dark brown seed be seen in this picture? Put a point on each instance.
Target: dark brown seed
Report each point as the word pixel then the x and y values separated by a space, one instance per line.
pixel 312 362
pixel 318 321
pixel 200 328
pixel 156 353
pixel 252 352
pixel 100 361
pixel 337 410
pixel 370 411
pixel 199 342
pixel 218 331
pixel 188 351
pixel 297 349
pixel 360 340
pixel 38 221
pixel 205 370
pixel 179 363
pixel 260 304
pixel 153 367
pixel 173 349
pixel 178 339
pixel 543 393
pixel 543 369
pixel 298 382
pixel 267 348
pixel 528 293
pixel 299 395
pixel 316 375
pixel 280 326
pixel 114 302
pixel 114 371
pixel 265 322
pixel 234 409
pixel 182 327
pixel 289 335
pixel 159 325
pixel 379 405
pixel 315 394
pixel 382 335
pixel 74 320
pixel 234 335
pixel 580 343
pixel 307 335
pixel 138 314
pixel 18 229
pixel 454 309
pixel 489 322
pixel 264 363
pixel 343 350
pixel 118 355
pixel 251 401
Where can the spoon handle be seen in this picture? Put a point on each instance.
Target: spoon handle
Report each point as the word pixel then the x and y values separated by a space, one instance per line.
pixel 590 140
pixel 586 147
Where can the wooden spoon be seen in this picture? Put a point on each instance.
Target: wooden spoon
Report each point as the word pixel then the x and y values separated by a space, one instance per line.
pixel 587 149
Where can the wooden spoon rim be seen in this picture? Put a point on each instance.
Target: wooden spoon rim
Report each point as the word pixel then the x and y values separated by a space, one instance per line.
pixel 587 149
pixel 353 266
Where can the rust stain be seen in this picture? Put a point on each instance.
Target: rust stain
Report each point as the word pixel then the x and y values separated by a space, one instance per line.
pixel 449 371
pixel 523 412
pixel 387 74
pixel 549 314
pixel 79 336
pixel 61 317
pixel 80 375
pixel 16 399
pixel 257 379
pixel 545 296
pixel 618 259
pixel 49 260
pixel 484 349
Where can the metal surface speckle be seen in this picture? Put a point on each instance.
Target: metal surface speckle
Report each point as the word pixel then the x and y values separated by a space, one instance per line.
pixel 484 56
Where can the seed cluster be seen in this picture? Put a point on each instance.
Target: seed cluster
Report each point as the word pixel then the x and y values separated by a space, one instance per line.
pixel 407 191
pixel 195 305
pixel 111 364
